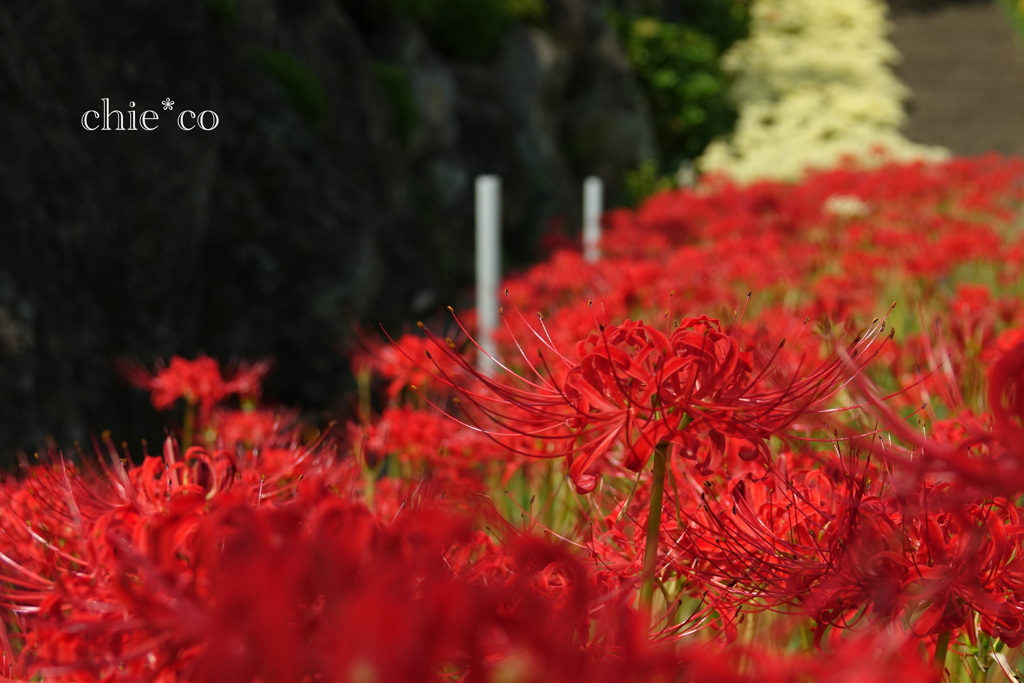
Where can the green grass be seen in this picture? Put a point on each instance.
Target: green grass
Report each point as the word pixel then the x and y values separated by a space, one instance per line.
pixel 1015 11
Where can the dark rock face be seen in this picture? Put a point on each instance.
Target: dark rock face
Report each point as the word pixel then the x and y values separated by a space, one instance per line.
pixel 305 210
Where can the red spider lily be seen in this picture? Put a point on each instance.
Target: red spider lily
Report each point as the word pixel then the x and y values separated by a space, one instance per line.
pixel 1006 398
pixel 762 536
pixel 933 570
pixel 252 428
pixel 96 566
pixel 883 657
pixel 988 461
pixel 972 567
pixel 422 443
pixel 46 515
pixel 851 551
pixel 321 587
pixel 1005 342
pixel 701 242
pixel 197 381
pixel 396 362
pixel 693 389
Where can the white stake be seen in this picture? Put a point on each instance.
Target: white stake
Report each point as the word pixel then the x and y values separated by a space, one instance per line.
pixel 592 205
pixel 488 264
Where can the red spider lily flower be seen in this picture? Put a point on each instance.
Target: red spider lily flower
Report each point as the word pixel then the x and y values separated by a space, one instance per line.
pixel 252 428
pixel 422 443
pixel 98 566
pixel 775 538
pixel 851 553
pixel 245 379
pixel 1006 397
pixel 198 381
pixel 396 362
pixel 879 657
pixel 633 386
pixel 321 588
pixel 421 597
pixel 989 460
pixel 1005 342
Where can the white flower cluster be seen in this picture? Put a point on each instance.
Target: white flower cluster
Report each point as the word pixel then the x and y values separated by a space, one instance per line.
pixel 846 206
pixel 814 87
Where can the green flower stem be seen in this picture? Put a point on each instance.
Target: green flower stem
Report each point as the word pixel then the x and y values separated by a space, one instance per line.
pixel 653 529
pixel 941 647
pixel 188 425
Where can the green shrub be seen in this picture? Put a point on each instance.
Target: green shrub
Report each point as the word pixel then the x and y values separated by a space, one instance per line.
pixel 644 181
pixel 1015 10
pixel 678 65
pixel 724 21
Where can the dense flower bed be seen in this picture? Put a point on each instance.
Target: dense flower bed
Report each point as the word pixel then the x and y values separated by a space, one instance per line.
pixel 835 480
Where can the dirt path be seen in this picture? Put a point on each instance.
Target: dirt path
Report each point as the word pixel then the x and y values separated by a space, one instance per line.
pixel 965 69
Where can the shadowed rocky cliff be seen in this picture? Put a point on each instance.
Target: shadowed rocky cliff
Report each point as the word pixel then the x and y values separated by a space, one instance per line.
pixel 335 188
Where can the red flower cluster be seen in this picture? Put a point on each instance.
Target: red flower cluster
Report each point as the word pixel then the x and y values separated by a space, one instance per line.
pixel 206 568
pixel 198 381
pixel 693 391
pixel 909 527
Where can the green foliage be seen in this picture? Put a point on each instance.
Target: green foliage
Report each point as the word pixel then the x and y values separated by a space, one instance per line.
pixel 1015 10
pixel 533 11
pixel 301 85
pixel 398 89
pixel 679 68
pixel 644 181
pixel 724 21
pixel 469 29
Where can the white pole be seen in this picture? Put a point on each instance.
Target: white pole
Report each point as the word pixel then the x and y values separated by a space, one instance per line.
pixel 488 264
pixel 592 205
